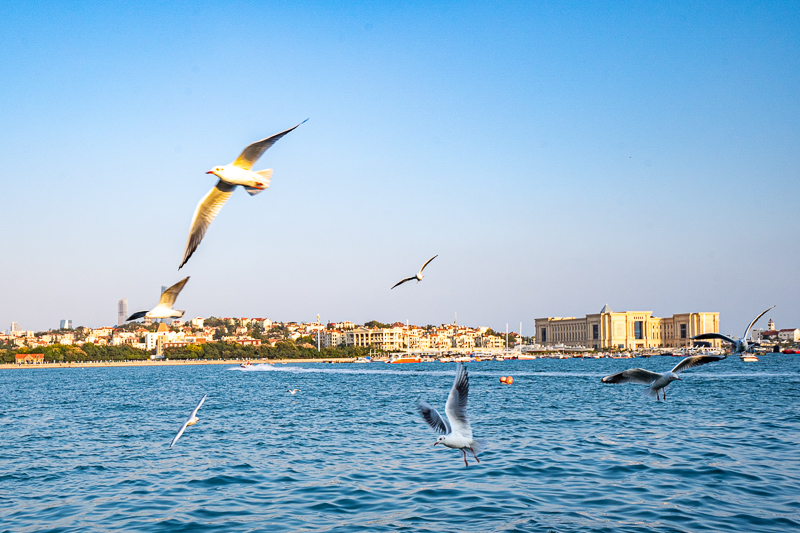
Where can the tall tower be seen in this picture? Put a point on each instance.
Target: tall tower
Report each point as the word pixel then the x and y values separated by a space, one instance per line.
pixel 770 325
pixel 15 327
pixel 122 311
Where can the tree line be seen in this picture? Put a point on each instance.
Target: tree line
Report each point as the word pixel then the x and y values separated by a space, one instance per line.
pixel 62 353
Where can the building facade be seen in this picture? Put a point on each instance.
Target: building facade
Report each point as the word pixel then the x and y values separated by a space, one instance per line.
pixel 626 330
pixel 122 311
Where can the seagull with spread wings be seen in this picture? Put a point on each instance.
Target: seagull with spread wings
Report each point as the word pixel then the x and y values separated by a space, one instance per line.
pixel 418 276
pixel 658 382
pixel 457 432
pixel 237 173
pixel 192 420
pixel 164 308
pixel 739 346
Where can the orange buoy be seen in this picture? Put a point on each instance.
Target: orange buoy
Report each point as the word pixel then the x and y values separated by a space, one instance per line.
pixel 509 380
pixel 502 379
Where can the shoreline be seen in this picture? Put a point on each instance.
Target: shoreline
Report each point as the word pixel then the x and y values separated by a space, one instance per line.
pixel 169 362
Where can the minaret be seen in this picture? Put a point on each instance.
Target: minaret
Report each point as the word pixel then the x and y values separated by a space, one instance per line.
pixel 770 325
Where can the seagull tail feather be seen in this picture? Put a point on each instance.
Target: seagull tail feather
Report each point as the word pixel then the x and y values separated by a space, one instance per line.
pixel 478 446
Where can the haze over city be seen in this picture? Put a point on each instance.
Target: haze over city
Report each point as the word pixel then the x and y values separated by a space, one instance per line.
pixel 556 159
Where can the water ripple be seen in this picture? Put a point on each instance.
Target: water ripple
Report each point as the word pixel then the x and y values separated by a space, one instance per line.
pixel 87 450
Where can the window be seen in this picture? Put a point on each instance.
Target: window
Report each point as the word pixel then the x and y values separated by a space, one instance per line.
pixel 544 335
pixel 683 331
pixel 595 332
pixel 638 333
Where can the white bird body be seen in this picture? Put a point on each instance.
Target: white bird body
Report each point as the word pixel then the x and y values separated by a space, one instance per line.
pixel 192 420
pixel 164 308
pixel 293 391
pixel 230 176
pixel 456 428
pixel 234 175
pixel 659 382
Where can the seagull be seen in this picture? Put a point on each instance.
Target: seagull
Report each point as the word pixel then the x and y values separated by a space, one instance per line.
pixel 739 346
pixel 659 382
pixel 164 308
pixel 293 391
pixel 192 420
pixel 237 173
pixel 457 432
pixel 418 276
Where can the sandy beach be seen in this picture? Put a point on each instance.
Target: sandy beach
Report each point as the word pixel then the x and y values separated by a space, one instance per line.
pixel 169 362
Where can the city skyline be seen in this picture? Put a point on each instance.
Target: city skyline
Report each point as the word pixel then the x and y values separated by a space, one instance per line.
pixel 556 158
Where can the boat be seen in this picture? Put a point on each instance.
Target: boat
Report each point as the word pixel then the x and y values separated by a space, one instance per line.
pixel 245 364
pixel 748 358
pixel 526 357
pixel 405 360
pixel 366 359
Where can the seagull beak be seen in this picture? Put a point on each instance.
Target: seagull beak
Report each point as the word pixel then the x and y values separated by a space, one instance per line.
pixel 210 172
pixel 435 443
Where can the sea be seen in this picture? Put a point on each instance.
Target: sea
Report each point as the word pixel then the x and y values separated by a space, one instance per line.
pixel 87 449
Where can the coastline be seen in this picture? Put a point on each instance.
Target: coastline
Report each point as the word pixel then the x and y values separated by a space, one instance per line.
pixel 170 362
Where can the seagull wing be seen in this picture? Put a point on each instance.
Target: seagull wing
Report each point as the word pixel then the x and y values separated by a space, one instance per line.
pixel 753 323
pixel 456 406
pixel 206 210
pixel 704 336
pixel 697 360
pixel 183 428
pixel 426 263
pixel 169 296
pixel 194 413
pixel 403 281
pixel 433 418
pixel 633 375
pixel 251 154
pixel 136 316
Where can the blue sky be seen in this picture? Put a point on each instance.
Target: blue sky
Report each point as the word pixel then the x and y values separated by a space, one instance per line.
pixel 557 157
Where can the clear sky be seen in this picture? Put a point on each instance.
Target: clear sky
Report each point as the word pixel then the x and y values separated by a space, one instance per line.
pixel 557 156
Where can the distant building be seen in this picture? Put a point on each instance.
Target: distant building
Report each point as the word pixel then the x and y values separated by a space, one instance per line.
pixel 65 324
pixel 122 311
pixel 29 358
pixel 626 330
pixel 789 335
pixel 15 327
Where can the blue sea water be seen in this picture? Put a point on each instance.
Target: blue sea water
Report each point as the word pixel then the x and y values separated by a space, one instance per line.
pixel 88 449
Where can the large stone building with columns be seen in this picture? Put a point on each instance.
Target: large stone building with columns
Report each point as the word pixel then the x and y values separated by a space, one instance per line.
pixel 626 330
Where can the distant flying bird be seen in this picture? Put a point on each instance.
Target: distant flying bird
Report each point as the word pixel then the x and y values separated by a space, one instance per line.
pixel 739 346
pixel 164 308
pixel 237 173
pixel 293 391
pixel 659 382
pixel 457 432
pixel 192 420
pixel 418 276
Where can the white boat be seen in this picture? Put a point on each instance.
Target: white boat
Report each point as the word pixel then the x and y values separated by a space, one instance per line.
pixel 748 358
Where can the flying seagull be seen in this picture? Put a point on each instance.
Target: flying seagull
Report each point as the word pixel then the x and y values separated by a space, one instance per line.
pixel 237 173
pixel 418 276
pixel 192 420
pixel 457 432
pixel 164 308
pixel 739 346
pixel 659 382
pixel 293 391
